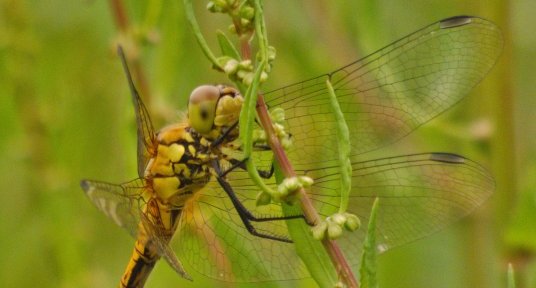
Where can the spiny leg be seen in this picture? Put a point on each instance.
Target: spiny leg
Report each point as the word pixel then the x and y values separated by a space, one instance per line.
pixel 266 174
pixel 245 215
pixel 222 137
pixel 241 163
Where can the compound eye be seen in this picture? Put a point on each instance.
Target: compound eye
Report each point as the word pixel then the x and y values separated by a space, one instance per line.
pixel 202 108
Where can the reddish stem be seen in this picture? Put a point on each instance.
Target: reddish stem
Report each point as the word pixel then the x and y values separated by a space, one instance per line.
pixel 120 15
pixel 245 47
pixel 311 215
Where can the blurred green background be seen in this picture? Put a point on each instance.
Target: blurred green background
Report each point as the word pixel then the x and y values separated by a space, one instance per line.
pixel 65 114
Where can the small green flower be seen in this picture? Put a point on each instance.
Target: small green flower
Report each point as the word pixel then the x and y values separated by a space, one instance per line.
pixel 263 198
pixel 339 285
pixel 286 143
pixel 246 65
pixel 288 185
pixel 305 181
pixel 247 12
pixel 338 219
pixel 248 79
pixel 231 66
pixel 319 230
pixel 271 53
pixel 278 115
pixel 259 136
pixel 352 222
pixel 334 230
pixel 334 224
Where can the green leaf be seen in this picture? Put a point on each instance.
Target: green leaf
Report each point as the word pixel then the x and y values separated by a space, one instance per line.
pixel 368 260
pixel 310 250
pixel 343 147
pixel 226 46
pixel 511 277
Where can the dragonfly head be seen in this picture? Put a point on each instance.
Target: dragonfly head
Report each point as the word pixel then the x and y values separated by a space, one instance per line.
pixel 212 109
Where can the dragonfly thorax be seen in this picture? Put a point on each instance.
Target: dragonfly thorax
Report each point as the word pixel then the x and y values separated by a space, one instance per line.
pixel 213 109
pixel 180 164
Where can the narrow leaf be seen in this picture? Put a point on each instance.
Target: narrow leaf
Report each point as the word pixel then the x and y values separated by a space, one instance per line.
pixel 368 260
pixel 511 277
pixel 343 147
pixel 310 250
pixel 226 46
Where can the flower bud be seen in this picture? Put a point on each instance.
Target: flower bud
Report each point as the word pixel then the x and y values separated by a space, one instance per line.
pixel 271 53
pixel 306 181
pixel 338 219
pixel 263 198
pixel 231 66
pixel 334 230
pixel 277 115
pixel 246 64
pixel 247 12
pixel 319 230
pixel 352 222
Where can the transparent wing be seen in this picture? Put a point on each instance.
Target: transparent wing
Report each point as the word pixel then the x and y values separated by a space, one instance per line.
pixel 213 240
pixel 160 237
pixel 384 96
pixel 125 205
pixel 121 203
pixel 419 194
pixel 145 131
pixel 391 92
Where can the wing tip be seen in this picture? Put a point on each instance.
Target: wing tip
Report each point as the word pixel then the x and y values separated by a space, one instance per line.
pixel 455 21
pixel 447 158
pixel 86 185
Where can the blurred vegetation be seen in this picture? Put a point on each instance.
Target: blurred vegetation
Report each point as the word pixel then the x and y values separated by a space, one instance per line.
pixel 65 114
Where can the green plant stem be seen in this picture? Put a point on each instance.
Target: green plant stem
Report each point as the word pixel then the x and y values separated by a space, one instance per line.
pixel 245 47
pixel 311 215
pixel 246 123
pixel 198 35
pixel 247 115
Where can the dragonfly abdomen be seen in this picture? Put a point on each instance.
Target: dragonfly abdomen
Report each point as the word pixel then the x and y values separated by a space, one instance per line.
pixel 140 265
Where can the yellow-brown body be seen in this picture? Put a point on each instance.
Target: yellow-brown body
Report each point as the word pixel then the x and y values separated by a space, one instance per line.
pixel 178 169
pixel 173 164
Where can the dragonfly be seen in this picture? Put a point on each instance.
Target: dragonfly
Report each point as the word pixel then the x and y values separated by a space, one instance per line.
pixel 193 203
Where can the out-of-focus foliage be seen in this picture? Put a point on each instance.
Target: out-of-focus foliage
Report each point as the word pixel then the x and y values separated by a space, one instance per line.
pixel 65 114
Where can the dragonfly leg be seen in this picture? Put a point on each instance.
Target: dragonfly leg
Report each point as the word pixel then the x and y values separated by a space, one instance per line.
pixel 260 147
pixel 222 137
pixel 245 215
pixel 266 174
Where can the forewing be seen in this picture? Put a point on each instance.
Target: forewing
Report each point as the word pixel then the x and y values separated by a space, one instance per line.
pixel 145 132
pixel 121 203
pixel 391 92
